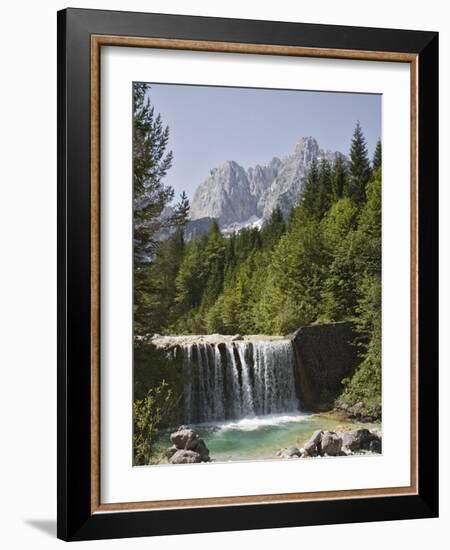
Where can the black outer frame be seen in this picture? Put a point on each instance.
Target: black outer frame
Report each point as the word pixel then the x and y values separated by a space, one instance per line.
pixel 75 521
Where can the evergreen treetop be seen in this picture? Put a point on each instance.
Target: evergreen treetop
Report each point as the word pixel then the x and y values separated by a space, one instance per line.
pixel 376 162
pixel 359 167
pixel 339 177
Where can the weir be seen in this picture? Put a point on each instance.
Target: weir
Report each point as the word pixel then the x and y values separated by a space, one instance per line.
pixel 233 380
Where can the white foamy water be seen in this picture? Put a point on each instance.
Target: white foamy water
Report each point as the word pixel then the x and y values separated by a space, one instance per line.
pixel 255 423
pixel 241 380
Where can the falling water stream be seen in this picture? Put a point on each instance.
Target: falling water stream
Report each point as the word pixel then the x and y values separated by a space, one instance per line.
pixel 238 380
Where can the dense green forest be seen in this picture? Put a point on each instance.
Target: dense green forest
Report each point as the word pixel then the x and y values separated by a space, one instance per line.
pixel 321 264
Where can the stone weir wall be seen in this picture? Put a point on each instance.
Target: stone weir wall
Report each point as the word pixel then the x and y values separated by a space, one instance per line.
pixel 325 354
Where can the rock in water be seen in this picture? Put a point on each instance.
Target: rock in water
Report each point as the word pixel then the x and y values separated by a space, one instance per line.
pixel 313 446
pixel 325 443
pixel 184 438
pixel 202 450
pixel 357 440
pixel 290 452
pixel 188 447
pixel 375 445
pixel 171 451
pixel 185 457
pixel 331 444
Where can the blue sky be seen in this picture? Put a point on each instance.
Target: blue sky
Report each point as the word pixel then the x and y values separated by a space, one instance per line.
pixel 209 125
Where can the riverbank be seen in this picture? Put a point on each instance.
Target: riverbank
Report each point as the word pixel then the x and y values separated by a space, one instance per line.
pixel 336 443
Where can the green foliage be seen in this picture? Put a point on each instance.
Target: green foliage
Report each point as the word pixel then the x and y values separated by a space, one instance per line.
pixel 309 199
pixel 154 291
pixel 148 414
pixel 296 274
pixel 152 366
pixel 338 228
pixel 158 388
pixel 273 229
pixel 324 195
pixel 362 393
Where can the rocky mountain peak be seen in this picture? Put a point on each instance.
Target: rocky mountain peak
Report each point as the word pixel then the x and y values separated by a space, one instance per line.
pixel 306 149
pixel 234 195
pixel 224 195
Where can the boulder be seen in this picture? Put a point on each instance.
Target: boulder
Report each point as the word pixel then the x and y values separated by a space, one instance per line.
pixel 326 443
pixel 356 440
pixel 331 444
pixel 375 445
pixel 289 452
pixel 171 451
pixel 184 438
pixel 183 456
pixel 202 450
pixel 313 446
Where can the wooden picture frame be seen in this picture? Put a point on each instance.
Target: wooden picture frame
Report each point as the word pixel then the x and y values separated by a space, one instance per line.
pixel 81 35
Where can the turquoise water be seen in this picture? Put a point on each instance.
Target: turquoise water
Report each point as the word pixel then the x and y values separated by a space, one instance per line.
pixel 261 437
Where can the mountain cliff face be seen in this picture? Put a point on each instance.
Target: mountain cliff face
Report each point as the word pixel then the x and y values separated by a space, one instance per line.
pixel 225 195
pixel 235 196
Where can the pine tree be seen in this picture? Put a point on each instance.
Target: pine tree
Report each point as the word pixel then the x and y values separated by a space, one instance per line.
pixel 190 280
pixel 376 162
pixel 213 265
pixel 318 193
pixel 324 193
pixel 359 168
pixel 151 162
pixel 365 385
pixel 309 199
pixel 248 240
pixel 153 277
pixel 230 256
pixel 273 229
pixel 214 229
pixel 338 296
pixel 339 176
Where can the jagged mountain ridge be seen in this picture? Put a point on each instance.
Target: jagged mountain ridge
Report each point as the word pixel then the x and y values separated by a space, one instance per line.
pixel 234 196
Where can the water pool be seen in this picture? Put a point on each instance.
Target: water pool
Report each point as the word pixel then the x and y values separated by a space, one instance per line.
pixel 260 437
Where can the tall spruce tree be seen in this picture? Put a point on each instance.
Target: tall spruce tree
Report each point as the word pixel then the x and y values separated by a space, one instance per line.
pixel 339 176
pixel 213 265
pixel 376 162
pixel 273 229
pixel 324 194
pixel 359 167
pixel 309 199
pixel 151 161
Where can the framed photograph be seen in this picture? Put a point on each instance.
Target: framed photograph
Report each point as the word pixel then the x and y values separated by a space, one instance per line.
pixel 247 254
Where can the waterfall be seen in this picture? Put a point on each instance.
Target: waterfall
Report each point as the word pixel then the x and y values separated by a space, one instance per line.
pixel 238 380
